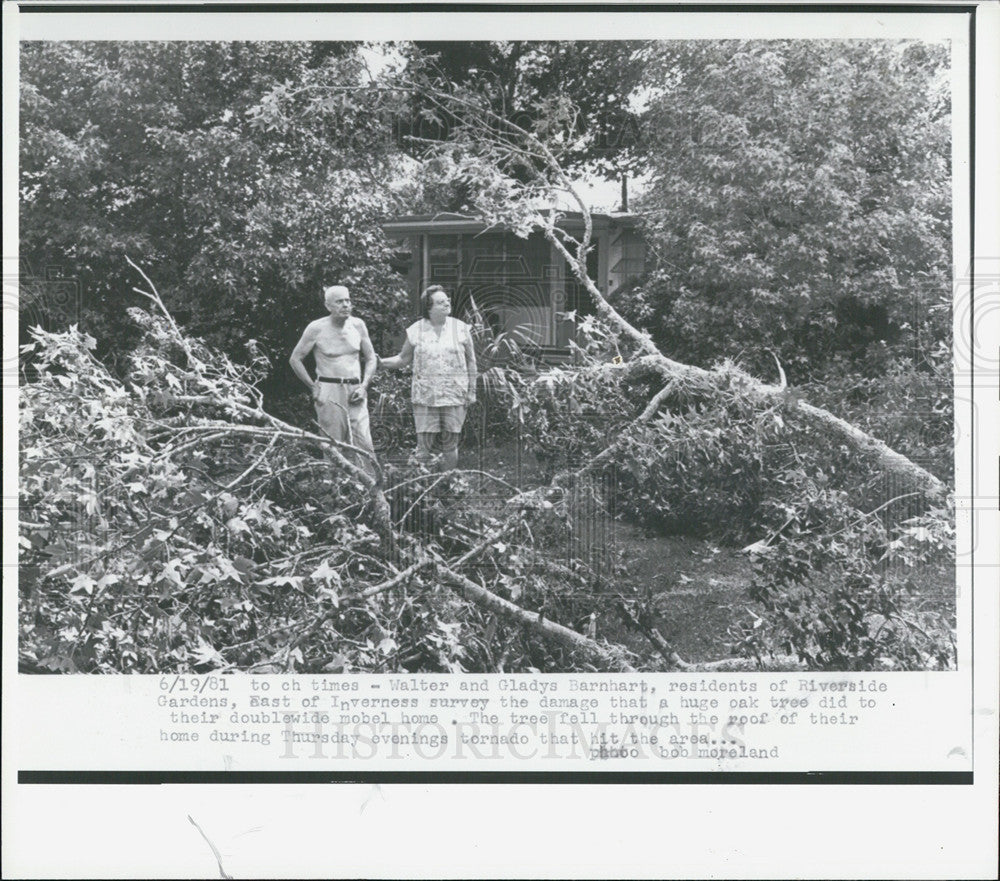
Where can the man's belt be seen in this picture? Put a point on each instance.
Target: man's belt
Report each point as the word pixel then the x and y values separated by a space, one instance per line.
pixel 339 380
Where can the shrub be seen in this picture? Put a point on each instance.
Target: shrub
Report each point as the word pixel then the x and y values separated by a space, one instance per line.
pixel 832 587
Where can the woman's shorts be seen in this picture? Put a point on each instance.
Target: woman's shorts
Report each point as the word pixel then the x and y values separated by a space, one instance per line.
pixel 432 420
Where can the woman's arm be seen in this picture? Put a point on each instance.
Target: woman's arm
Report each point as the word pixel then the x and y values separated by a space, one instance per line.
pixel 403 359
pixel 470 363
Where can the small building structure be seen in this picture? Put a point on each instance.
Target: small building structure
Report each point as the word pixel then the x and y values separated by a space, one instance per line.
pixel 522 287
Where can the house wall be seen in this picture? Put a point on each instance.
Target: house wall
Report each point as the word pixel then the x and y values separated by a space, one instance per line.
pixel 522 286
pixel 510 280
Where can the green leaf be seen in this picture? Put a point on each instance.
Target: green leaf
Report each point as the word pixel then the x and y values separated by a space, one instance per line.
pixel 243 565
pixel 83 582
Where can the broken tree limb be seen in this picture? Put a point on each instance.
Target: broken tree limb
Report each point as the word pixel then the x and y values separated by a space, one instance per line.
pixel 609 658
pixel 654 636
pixel 887 459
pixel 368 593
pixel 651 409
pixel 536 622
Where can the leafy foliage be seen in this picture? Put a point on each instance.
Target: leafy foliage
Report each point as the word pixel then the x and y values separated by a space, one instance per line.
pixel 906 401
pixel 706 463
pixel 149 545
pixel 799 201
pixel 178 154
pixel 568 416
pixel 834 590
pixel 170 524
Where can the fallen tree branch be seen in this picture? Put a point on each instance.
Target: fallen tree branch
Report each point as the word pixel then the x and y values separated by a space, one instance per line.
pixel 651 409
pixel 654 636
pixel 887 459
pixel 775 663
pixel 607 658
pixel 782 379
pixel 381 512
pixel 368 593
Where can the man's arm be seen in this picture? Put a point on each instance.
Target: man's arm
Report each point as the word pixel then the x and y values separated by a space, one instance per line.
pixel 370 363
pixel 403 359
pixel 303 348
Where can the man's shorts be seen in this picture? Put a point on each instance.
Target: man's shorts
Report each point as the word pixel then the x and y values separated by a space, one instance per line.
pixel 432 420
pixel 340 420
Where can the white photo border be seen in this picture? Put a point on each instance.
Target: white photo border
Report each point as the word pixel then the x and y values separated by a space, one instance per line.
pixel 381 827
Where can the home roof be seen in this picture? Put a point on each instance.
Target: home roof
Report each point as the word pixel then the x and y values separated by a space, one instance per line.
pixel 445 222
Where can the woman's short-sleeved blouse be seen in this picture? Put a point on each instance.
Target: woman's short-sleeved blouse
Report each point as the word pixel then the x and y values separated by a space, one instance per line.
pixel 440 368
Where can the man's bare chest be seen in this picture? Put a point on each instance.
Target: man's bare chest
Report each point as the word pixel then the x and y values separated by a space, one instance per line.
pixel 333 341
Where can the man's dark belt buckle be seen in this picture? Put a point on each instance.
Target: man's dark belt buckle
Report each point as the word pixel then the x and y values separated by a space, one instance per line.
pixel 339 380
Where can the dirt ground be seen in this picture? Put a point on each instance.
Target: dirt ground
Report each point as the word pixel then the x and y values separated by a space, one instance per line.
pixel 699 589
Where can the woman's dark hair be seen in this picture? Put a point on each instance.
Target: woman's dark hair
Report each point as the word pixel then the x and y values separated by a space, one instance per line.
pixel 425 299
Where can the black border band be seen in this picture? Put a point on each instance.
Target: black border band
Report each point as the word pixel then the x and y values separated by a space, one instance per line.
pixel 156 778
pixel 486 7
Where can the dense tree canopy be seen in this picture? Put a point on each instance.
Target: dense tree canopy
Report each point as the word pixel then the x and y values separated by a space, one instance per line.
pixel 167 152
pixel 799 199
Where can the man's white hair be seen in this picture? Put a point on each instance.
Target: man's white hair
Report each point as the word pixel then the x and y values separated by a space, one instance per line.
pixel 332 291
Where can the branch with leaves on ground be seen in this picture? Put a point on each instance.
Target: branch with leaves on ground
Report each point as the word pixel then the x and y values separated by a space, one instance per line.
pixel 213 534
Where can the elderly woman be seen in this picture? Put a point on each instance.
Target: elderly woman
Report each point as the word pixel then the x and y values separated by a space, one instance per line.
pixel 444 376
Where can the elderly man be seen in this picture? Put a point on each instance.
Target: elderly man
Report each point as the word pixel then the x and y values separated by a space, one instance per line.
pixel 339 342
